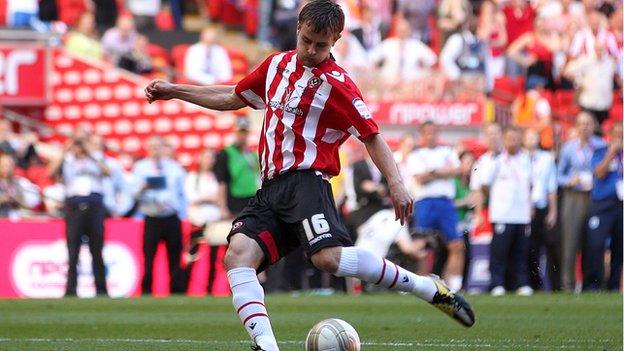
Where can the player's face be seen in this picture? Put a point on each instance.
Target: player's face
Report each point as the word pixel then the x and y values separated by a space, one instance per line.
pixel 313 48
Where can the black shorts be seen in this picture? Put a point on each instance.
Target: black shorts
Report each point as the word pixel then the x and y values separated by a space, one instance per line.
pixel 293 209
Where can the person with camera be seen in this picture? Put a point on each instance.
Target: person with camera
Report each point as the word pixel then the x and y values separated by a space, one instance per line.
pixel 82 173
pixel 162 202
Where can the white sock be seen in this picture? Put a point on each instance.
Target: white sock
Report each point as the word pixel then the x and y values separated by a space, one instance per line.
pixel 248 300
pixel 454 282
pixel 366 266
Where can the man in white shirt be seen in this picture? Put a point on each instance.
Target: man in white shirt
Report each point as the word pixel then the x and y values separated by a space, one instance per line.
pixel 432 168
pixel 493 138
pixel 402 57
pixel 508 181
pixel 207 62
pixel 544 200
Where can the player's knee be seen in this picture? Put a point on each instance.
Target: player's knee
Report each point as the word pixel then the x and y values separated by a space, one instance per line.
pixel 242 252
pixel 327 259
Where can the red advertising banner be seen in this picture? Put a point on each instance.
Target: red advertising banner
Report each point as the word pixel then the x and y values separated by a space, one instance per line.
pixel 452 113
pixel 23 74
pixel 33 262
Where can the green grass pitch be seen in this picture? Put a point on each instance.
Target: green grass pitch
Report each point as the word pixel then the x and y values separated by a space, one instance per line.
pixel 384 322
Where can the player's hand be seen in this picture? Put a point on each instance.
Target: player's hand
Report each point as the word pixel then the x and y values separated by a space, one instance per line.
pixel 159 90
pixel 402 202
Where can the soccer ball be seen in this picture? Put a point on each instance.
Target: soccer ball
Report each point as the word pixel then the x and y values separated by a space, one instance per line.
pixel 332 335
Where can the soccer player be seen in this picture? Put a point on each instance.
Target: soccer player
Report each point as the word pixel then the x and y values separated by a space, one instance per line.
pixel 311 107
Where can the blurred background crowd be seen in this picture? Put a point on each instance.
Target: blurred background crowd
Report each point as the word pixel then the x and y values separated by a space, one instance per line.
pixel 544 175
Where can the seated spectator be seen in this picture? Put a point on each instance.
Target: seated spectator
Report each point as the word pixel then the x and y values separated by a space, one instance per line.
pixel 584 41
pixel 16 193
pixel 417 14
pixel 351 55
pixel 535 52
pixel 451 15
pixel 207 62
pixel 616 24
pixel 528 107
pixel 144 13
pixel 492 31
pixel 138 59
pixel 372 30
pixel 283 23
pixel 402 58
pixel 463 53
pixel 519 16
pixel 83 40
pixel 593 77
pixel 119 40
pixel 9 141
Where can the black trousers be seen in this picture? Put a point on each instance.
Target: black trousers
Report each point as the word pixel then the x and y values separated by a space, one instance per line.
pixel 508 255
pixel 545 239
pixel 85 219
pixel 605 222
pixel 169 230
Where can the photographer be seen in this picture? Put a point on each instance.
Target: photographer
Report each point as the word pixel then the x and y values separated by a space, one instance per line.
pixel 16 193
pixel 82 173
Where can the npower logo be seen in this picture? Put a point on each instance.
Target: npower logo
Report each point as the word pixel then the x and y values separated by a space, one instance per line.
pixel 10 63
pixel 39 270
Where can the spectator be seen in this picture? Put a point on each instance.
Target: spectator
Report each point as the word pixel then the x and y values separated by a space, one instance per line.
pixel 106 15
pixel 534 51
pixel 596 32
pixel 402 58
pixel 83 40
pixel 508 182
pixel 237 171
pixel 371 193
pixel 493 140
pixel 207 62
pixel 605 215
pixel 162 202
pixel 492 31
pixel 401 155
pixel 351 55
pixel 373 30
pixel 138 59
pixel 464 54
pixel 544 217
pixel 115 187
pixel 451 15
pixel 119 40
pixel 202 189
pixel 22 13
pixel 574 175
pixel 144 13
pixel 417 14
pixel 595 96
pixel 10 142
pixel 283 23
pixel 530 107
pixel 464 203
pixel 83 175
pixel 519 16
pixel 616 24
pixel 16 193
pixel 433 168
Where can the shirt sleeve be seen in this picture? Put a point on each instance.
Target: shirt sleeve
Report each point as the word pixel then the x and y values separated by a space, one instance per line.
pixel 252 88
pixel 358 120
pixel 597 157
pixel 563 176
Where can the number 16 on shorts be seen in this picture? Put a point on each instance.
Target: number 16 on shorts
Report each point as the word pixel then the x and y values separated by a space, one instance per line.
pixel 318 230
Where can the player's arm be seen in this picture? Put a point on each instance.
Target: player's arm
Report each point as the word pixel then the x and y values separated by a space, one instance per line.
pixel 382 157
pixel 214 97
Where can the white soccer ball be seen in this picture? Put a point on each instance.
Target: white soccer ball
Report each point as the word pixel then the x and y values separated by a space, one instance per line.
pixel 332 335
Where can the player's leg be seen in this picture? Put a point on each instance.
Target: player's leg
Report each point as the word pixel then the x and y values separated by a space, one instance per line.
pixel 367 266
pixel 242 259
pixel 446 218
pixel 253 245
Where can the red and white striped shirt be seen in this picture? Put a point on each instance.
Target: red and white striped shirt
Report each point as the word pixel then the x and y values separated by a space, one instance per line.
pixel 309 113
pixel 584 41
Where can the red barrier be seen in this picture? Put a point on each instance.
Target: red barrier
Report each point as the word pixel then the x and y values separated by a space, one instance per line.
pixel 33 261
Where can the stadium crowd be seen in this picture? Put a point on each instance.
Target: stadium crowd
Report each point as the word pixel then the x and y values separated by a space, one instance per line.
pixel 550 179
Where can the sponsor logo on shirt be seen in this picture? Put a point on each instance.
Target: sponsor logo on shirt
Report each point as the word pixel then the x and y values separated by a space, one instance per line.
pixel 319 238
pixel 286 104
pixel 360 106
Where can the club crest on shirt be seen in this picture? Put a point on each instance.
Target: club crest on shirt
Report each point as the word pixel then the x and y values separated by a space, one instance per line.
pixel 360 106
pixel 314 82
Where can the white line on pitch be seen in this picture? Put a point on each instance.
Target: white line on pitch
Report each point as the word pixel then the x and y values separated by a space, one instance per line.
pixel 455 343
